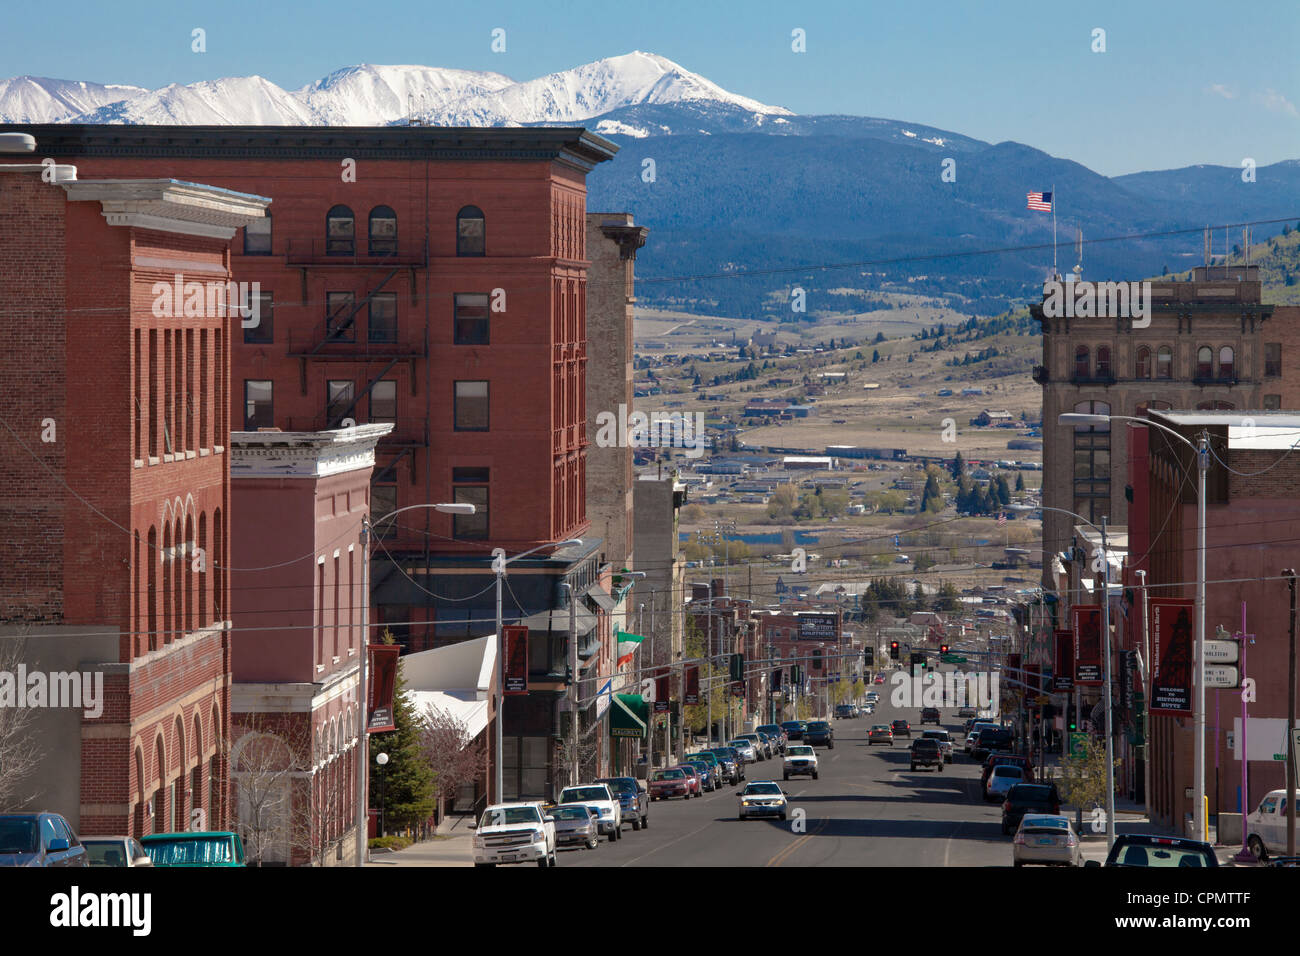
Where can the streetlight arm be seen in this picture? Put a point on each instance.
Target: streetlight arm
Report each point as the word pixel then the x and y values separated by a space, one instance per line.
pixel 1082 418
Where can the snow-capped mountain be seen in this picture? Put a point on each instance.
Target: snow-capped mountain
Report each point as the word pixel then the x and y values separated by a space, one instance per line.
pixel 368 95
pixel 38 99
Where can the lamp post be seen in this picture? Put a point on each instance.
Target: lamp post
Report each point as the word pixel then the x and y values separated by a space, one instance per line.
pixel 499 562
pixel 382 760
pixel 363 761
pixel 1202 452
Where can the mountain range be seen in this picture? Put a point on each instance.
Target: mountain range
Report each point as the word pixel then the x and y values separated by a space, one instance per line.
pixel 762 197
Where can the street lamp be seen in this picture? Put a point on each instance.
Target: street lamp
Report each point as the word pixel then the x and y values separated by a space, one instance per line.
pixel 382 760
pixel 363 765
pixel 499 562
pixel 1203 465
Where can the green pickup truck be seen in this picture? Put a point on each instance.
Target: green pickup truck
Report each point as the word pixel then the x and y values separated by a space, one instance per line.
pixel 205 848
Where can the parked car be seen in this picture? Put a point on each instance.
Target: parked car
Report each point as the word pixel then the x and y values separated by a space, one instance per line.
pixel 576 824
pixel 600 798
pixel 708 776
pixel 820 732
pixel 735 756
pixel 508 833
pixel 1048 839
pixel 926 752
pixel 710 758
pixel 1266 826
pixel 115 851
pixel 844 710
pixel 730 763
pixel 745 748
pixel 794 729
pixel 666 784
pixel 763 750
pixel 762 798
pixel 800 759
pixel 1000 783
pixel 881 734
pixel 945 742
pixel 39 839
pixel 931 715
pixel 770 744
pixel 694 785
pixel 777 733
pixel 901 728
pixel 204 848
pixel 1142 849
pixel 1025 798
pixel 633 800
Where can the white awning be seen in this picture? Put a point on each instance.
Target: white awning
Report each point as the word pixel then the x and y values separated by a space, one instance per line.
pixel 456 679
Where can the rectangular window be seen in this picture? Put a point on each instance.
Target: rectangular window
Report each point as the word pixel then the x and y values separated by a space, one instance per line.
pixel 340 322
pixel 471 406
pixel 155 380
pixel 383 317
pixel 257 237
pixel 338 604
pixel 204 378
pixel 257 404
pixel 470 486
pixel 383 401
pixel 139 375
pixel 471 321
pixel 1272 359
pixel 340 402
pixel 1272 402
pixel 264 330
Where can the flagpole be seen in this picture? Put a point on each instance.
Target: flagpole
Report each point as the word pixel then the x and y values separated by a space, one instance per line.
pixel 1055 272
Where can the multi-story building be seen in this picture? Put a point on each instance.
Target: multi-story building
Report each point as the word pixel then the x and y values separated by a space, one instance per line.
pixel 434 279
pixel 298 502
pixel 114 487
pixel 1210 344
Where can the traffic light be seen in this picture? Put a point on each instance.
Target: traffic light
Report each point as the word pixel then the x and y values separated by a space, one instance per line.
pixel 776 679
pixel 737 667
pixel 1072 724
pixel 796 675
pixel 869 657
pixel 943 648
pixel 893 649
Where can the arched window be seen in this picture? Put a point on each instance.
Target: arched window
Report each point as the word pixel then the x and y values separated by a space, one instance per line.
pixel 340 232
pixel 1154 405
pixel 1165 362
pixel 1142 368
pixel 1225 363
pixel 1082 365
pixel 470 232
pixel 205 566
pixel 1205 362
pixel 1103 361
pixel 383 231
pixel 151 577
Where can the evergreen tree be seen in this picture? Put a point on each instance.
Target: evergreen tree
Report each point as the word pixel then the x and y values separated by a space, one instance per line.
pixel 1003 490
pixel 880 337
pixel 408 785
pixel 875 357
pixel 958 467
pixel 1020 481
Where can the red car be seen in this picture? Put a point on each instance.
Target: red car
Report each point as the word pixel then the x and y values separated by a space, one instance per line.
pixel 695 784
pixel 666 784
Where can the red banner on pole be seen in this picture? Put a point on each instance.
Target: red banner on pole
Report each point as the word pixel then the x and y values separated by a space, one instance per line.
pixel 1064 668
pixel 1087 644
pixel 1033 679
pixel 1013 670
pixel 692 693
pixel 383 686
pixel 663 692
pixel 514 674
pixel 1171 656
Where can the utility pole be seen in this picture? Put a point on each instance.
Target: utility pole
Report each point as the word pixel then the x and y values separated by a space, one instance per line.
pixel 1110 740
pixel 1290 724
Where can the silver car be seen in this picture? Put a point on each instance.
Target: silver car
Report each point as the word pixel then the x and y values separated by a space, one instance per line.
pixel 1002 779
pixel 576 824
pixel 745 748
pixel 761 747
pixel 115 851
pixel 1046 838
pixel 945 742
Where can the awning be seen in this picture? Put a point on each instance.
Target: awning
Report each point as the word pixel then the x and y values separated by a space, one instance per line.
pixel 628 716
pixel 557 621
pixel 602 598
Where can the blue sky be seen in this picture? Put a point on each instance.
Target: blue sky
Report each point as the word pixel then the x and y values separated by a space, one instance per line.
pixel 1182 82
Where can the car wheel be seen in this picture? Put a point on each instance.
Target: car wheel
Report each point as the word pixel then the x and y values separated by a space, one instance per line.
pixel 740 816
pixel 785 776
pixel 814 774
pixel 544 862
pixel 612 837
pixel 941 768
pixel 555 857
pixel 636 824
pixel 1256 847
pixel 1019 863
pixel 593 843
pixel 645 821
pixel 782 814
pixel 831 745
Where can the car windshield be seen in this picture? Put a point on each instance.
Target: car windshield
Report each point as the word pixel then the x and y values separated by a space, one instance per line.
pixel 763 788
pixel 801 752
pixel 506 816
pixel 1005 771
pixel 18 835
pixel 818 725
pixel 739 743
pixel 571 813
pixel 669 775
pixel 578 794
pixel 880 727
pixel 190 850
pixel 621 785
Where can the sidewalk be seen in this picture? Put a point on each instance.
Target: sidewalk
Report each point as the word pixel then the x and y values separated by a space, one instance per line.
pixel 451 847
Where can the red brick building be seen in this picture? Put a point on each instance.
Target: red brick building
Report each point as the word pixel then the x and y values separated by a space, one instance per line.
pixel 114 497
pixel 434 279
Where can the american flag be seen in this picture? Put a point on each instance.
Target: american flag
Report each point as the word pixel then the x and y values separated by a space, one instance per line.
pixel 1042 201
pixel 1002 518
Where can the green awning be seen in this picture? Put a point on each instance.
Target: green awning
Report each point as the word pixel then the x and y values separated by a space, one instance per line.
pixel 628 716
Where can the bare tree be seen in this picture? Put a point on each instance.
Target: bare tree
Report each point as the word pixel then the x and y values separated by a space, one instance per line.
pixel 19 754
pixel 455 757
pixel 266 761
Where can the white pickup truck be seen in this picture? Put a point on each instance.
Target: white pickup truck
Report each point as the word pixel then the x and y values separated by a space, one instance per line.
pixel 599 798
pixel 514 833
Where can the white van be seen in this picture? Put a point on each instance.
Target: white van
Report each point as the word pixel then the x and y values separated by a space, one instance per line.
pixel 1266 827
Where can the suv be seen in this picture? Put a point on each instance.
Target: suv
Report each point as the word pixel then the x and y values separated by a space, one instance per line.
pixel 989 740
pixel 927 753
pixel 901 728
pixel 39 839
pixel 794 729
pixel 508 833
pixel 634 801
pixel 775 732
pixel 600 798
pixel 1028 798
pixel 736 762
pixel 844 710
pixel 820 732
pixel 931 715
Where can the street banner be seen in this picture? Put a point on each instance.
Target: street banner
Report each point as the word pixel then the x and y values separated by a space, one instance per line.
pixel 1033 680
pixel 692 693
pixel 1171 656
pixel 383 685
pixel 515 666
pixel 1064 660
pixel 662 692
pixel 1087 644
pixel 1013 670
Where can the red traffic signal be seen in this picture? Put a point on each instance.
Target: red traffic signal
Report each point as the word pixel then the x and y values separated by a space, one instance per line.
pixel 943 648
